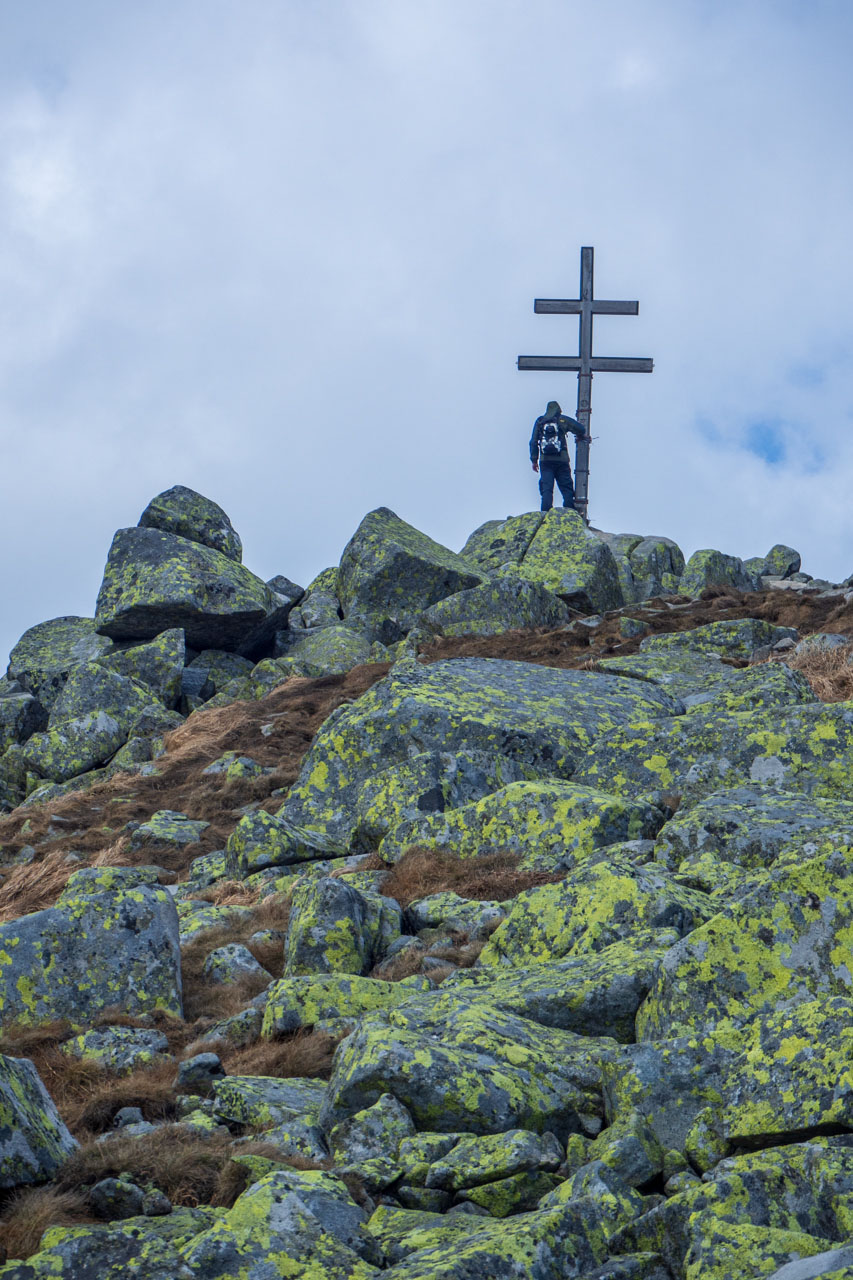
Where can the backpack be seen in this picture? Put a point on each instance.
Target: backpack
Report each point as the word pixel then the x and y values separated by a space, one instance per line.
pixel 550 444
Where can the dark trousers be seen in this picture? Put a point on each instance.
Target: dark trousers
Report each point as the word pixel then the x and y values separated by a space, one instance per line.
pixel 558 470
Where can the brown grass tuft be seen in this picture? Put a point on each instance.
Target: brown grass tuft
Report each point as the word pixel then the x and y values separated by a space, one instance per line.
pixel 306 1053
pixel 830 673
pixel 149 1088
pixel 487 876
pixel 29 1212
pixel 185 1165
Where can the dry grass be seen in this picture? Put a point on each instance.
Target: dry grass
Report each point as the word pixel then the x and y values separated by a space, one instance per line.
pixel 29 1212
pixel 38 885
pixel 184 1165
pixel 204 999
pixel 152 1089
pixel 830 673
pixel 488 876
pixel 306 1054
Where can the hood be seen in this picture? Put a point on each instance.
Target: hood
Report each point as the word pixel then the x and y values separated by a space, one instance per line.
pixel 553 410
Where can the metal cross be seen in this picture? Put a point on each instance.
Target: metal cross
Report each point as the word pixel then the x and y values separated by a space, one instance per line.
pixel 585 362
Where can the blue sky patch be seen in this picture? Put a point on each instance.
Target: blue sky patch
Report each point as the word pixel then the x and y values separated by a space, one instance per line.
pixel 765 438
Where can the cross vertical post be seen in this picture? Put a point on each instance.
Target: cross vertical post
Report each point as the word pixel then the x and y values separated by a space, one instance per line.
pixel 585 363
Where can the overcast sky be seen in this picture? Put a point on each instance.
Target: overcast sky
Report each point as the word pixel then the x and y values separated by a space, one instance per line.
pixel 286 253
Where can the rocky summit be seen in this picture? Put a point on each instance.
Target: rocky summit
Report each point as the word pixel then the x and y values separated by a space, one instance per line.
pixel 478 914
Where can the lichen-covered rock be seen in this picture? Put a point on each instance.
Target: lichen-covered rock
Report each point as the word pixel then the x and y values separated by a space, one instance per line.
pixel 334 928
pixel 502 604
pixel 780 562
pixel 141 1246
pixel 34 1141
pixel 541 717
pixel 319 607
pixel 233 963
pixel 498 543
pixel 553 825
pixel 751 827
pixel 44 655
pixel 476 917
pixel 732 638
pixel 158 664
pixel 799 748
pixel 822 642
pixel 155 581
pixel 305 1222
pixel 267 1100
pixel 263 839
pixel 93 715
pixel 785 941
pixel 569 560
pixel 391 570
pixel 120 1049
pixel 304 1000
pixel 602 903
pixel 657 565
pixel 793 1075
pixel 197 917
pixel 93 951
pixel 373 1133
pixel 705 680
pixel 474 1160
pixel 428 783
pixel 325 651
pixel 593 994
pixel 168 827
pixel 190 515
pixel 463 1066
pixel 715 569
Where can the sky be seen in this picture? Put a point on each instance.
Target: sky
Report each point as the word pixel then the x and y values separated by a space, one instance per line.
pixel 285 252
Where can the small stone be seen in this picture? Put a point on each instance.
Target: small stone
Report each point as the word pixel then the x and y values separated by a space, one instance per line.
pixel 198 1073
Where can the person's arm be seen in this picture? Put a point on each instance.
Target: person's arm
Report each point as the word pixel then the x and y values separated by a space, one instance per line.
pixel 572 424
pixel 534 445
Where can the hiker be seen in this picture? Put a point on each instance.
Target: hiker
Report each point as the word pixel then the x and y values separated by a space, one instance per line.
pixel 549 454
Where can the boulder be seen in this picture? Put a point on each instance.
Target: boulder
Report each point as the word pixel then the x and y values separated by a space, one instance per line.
pixel 34 1141
pixel 264 1101
pixel 155 581
pixel 570 561
pixel 541 718
pixel 751 828
pixel 428 783
pixel 499 543
pixel 600 904
pixel 168 827
pixel 119 1049
pixel 263 839
pixel 334 928
pixel 233 963
pixel 44 655
pixel 319 606
pixel 391 571
pixel 306 1221
pixel 737 638
pixel 372 1134
pixel 593 994
pixel 783 942
pixel 647 567
pixel 325 651
pixel 795 748
pixel 552 824
pixel 302 1001
pixel 90 952
pixel 502 604
pixel 140 1246
pixel 92 717
pixel 461 1066
pixel 780 562
pixel 190 515
pixel 715 569
pixel 158 665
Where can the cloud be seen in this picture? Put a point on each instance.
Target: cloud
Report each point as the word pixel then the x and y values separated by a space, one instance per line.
pixel 287 255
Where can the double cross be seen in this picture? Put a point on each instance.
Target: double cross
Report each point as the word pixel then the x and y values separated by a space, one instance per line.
pixel 585 363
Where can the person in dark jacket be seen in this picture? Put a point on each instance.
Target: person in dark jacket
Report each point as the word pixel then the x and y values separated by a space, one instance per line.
pixel 549 454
